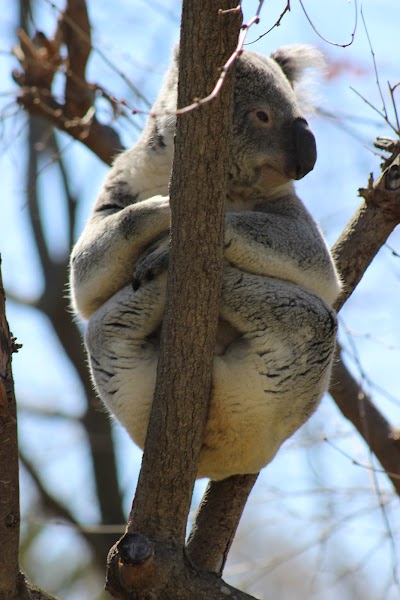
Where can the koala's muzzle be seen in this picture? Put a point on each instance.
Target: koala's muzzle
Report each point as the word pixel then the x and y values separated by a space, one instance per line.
pixel 304 150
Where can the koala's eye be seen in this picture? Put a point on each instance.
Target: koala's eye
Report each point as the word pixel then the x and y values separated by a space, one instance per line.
pixel 262 116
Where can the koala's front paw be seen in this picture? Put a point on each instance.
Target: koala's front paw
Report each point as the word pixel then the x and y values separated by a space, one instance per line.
pixel 153 262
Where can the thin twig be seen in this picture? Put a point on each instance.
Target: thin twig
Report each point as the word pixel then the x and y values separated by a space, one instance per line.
pixel 324 38
pixel 375 66
pixel 224 71
pixel 381 114
pixel 356 463
pixel 396 116
pixel 276 24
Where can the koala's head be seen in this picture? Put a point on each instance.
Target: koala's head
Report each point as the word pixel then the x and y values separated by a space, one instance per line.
pixel 272 143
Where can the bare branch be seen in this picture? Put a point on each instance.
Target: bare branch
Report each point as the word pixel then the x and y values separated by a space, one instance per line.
pixel 35 129
pixel 229 63
pixel 276 24
pixel 9 488
pixel 392 89
pixel 353 33
pixel 101 139
pixel 97 539
pixel 40 60
pixel 224 501
pixel 375 66
pixel 358 407
pixel 79 45
pixel 65 16
pixel 49 503
pixel 71 199
pixel 370 227
pixel 381 114
pixel 197 102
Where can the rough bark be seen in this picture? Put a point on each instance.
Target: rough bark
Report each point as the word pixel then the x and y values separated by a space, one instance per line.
pixel 151 558
pixel 217 520
pixel 9 488
pixel 190 320
pixel 373 222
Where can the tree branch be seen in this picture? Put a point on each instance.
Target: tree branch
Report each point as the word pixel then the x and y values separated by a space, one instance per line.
pixel 9 488
pixel 370 227
pixel 40 61
pixel 101 139
pixel 358 407
pixel 150 557
pixel 78 96
pixel 55 305
pixel 35 129
pixel 72 201
pixel 217 521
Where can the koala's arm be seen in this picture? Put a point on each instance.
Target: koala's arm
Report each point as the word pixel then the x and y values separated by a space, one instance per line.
pixel 104 258
pixel 282 241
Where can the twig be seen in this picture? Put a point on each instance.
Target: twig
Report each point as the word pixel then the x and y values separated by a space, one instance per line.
pixel 224 71
pixel 346 393
pixel 324 38
pixel 276 24
pixel 375 66
pixel 396 116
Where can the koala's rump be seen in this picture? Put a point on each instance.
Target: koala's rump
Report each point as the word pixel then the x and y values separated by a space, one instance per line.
pixel 266 382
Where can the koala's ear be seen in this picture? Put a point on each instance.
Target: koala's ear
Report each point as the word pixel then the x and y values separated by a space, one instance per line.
pixel 295 59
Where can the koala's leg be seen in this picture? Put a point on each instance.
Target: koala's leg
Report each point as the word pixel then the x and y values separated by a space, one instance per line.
pixel 122 343
pixel 271 378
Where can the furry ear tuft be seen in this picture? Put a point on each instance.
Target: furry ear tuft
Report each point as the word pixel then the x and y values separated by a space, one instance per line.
pixel 296 58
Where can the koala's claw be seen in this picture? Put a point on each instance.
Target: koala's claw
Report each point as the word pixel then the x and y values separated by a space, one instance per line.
pixel 135 284
pixel 149 265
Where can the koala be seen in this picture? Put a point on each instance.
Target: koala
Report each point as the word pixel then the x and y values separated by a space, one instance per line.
pixel 277 329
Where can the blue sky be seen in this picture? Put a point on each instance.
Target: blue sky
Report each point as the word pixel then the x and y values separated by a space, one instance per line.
pixel 139 42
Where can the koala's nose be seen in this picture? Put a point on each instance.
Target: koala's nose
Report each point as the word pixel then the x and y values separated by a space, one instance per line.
pixel 305 150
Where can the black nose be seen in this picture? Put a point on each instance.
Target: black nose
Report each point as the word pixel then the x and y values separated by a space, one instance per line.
pixel 304 155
